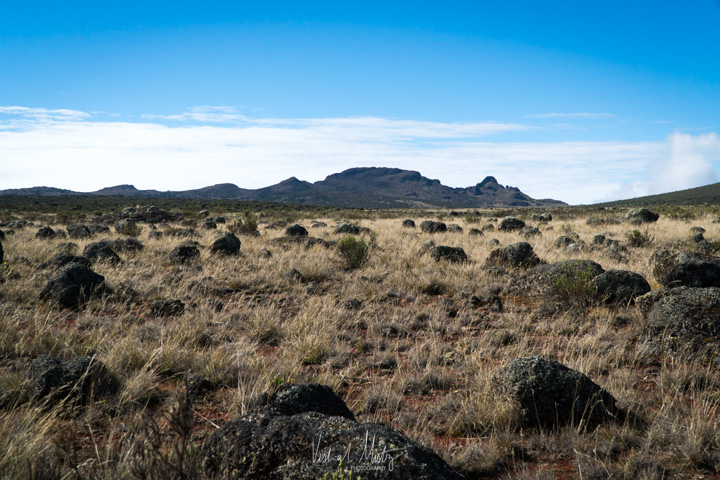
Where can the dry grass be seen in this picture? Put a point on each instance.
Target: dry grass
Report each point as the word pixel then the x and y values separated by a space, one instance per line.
pixel 397 337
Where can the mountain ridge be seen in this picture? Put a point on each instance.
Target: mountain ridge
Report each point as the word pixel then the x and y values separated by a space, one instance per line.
pixel 359 187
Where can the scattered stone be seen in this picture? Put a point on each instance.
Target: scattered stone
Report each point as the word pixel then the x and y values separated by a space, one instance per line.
pixel 620 287
pixel 45 233
pixel 62 259
pixel 551 395
pixel 167 308
pixel 185 233
pixel 303 240
pixel 695 230
pixel 294 275
pixel 426 247
pixel 598 239
pixel 638 216
pixel 73 286
pixel 489 227
pixel 475 232
pixel 228 244
pixel 83 379
pixel 408 223
pixel 184 254
pixel 264 253
pixel 303 424
pixel 429 226
pixel 101 252
pixel 296 231
pixel 541 280
pixel 689 269
pixel 451 254
pixel 99 229
pixel 220 220
pixel 208 225
pixel 511 224
pixel 488 300
pixel 203 213
pixel 78 231
pixel 126 244
pixel 563 241
pixel 454 228
pixel 352 304
pixel 494 241
pixel 347 228
pixel 528 232
pixel 517 255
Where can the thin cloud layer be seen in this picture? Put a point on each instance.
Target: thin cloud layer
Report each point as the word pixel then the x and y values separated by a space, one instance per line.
pixel 73 151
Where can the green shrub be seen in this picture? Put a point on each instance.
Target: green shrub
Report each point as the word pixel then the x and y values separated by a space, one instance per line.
pixel 131 230
pixel 353 251
pixel 574 286
pixel 247 225
pixel 636 238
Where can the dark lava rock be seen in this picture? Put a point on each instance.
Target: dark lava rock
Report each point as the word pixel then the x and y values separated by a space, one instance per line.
pixel 317 224
pixel 167 308
pixel 83 379
pixel 228 244
pixel 73 285
pixel 78 231
pixel 598 239
pixel 451 254
pixel 552 395
pixel 528 232
pixel 208 225
pixel 348 228
pixel 684 319
pixel 303 240
pixel 96 229
pixel 126 244
pixel 68 247
pixel 125 226
pixel 489 227
pixel 454 228
pixel 426 247
pixel 408 223
pixel 543 217
pixel 428 226
pixel 489 300
pixel 637 216
pixel 511 224
pixel 296 231
pixel 688 269
pixel 475 232
pixel 264 253
pixel 563 241
pixel 303 433
pixel 101 252
pixel 517 255
pixel 184 254
pixel 62 259
pixel 294 275
pixel 185 233
pixel 620 286
pixel 540 280
pixel 45 233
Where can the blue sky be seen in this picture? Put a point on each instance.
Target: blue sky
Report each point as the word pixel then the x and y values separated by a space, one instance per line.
pixel 580 101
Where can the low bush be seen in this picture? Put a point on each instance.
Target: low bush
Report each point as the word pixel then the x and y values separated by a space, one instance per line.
pixel 353 251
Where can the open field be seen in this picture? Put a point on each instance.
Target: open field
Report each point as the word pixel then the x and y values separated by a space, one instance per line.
pixel 402 338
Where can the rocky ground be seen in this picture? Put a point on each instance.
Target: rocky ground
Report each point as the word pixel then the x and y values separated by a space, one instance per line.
pixel 150 344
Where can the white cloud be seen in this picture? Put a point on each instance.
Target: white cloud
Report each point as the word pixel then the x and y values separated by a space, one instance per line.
pixel 572 115
pixel 86 155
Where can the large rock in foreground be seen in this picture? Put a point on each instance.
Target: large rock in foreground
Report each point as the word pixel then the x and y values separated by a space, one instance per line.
pixel 620 287
pixel 686 269
pixel 550 395
pixel 304 433
pixel 82 379
pixel 517 255
pixel 73 285
pixel 547 280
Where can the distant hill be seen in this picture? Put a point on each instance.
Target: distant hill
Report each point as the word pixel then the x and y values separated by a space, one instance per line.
pixel 709 194
pixel 367 187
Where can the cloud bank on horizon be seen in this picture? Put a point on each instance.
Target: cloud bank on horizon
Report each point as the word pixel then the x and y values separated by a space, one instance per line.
pixel 208 145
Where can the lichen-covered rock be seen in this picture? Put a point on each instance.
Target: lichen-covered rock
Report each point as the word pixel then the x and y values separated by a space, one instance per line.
pixel 511 224
pixel 550 395
pixel 620 286
pixel 82 379
pixel 408 223
pixel 184 254
pixel 73 285
pixel 529 231
pixel 429 226
pixel 78 231
pixel 101 252
pixel 542 280
pixel 228 244
pixel 347 229
pixel 126 244
pixel 637 216
pixel 451 254
pixel 454 228
pixel 45 233
pixel 304 433
pixel 689 269
pixel 474 232
pixel 517 255
pixel 62 259
pixel 563 241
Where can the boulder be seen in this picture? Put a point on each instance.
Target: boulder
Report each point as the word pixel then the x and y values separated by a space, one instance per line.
pixel 528 232
pixel 348 229
pixel 185 233
pixel 451 254
pixel 228 244
pixel 428 226
pixel 638 216
pixel 551 395
pixel 475 232
pixel 96 229
pixel 511 224
pixel 45 233
pixel 208 225
pixel 73 285
pixel 78 231
pixel 689 269
pixel 101 252
pixel 517 255
pixel 296 231
pixel 126 244
pixel 184 254
pixel 563 241
pixel 541 280
pixel 620 286
pixel 454 228
pixel 82 379
pixel 488 227
pixel 408 223
pixel 62 259
pixel 306 432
